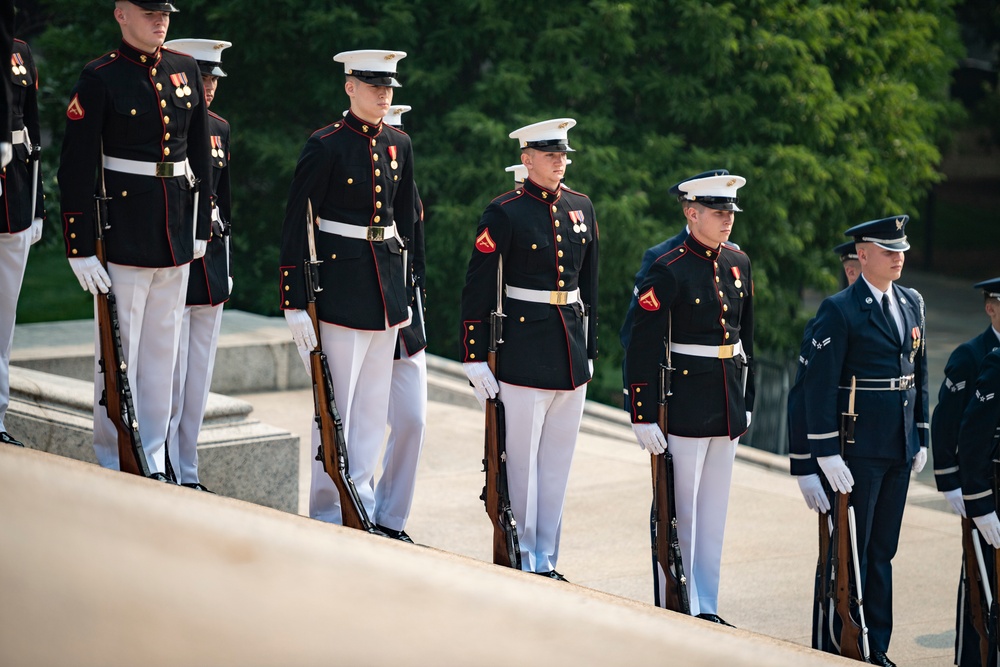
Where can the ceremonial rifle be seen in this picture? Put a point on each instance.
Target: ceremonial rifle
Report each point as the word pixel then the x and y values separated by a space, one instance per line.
pixel 822 578
pixel 976 586
pixel 666 545
pixel 116 397
pixel 994 628
pixel 506 550
pixel 332 443
pixel 846 589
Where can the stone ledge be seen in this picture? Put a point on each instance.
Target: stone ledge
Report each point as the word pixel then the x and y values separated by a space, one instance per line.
pixel 238 456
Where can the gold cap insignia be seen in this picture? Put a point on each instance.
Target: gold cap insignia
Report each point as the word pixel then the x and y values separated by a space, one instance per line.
pixel 390 56
pixel 562 125
pixel 731 183
pixel 899 224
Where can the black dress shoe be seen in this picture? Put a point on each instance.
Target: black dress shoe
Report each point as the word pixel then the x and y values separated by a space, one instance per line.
pixel 880 658
pixel 8 439
pixel 395 534
pixel 197 486
pixel 715 618
pixel 160 477
pixel 552 574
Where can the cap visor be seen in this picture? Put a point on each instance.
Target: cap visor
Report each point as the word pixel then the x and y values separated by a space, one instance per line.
pixel 897 246
pixel 387 81
pixel 721 206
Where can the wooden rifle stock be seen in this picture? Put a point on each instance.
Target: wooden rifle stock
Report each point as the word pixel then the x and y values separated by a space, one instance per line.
pixel 822 580
pixel 846 588
pixel 975 587
pixel 496 496
pixel 994 624
pixel 332 442
pixel 666 545
pixel 117 394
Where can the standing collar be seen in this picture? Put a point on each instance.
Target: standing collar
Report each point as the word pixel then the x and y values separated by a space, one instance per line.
pixel 362 127
pixel 699 249
pixel 538 192
pixel 138 56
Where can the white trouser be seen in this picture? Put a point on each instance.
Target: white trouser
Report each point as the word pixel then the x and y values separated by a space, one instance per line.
pixel 407 424
pixel 13 259
pixel 703 472
pixel 192 379
pixel 361 370
pixel 150 308
pixel 542 426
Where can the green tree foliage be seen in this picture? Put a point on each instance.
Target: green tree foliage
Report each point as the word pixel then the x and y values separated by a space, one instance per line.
pixel 832 110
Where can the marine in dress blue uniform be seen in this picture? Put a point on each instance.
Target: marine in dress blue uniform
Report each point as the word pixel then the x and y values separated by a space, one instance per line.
pixel 802 464
pixel 358 175
pixel 137 119
pixel 544 238
pixel 407 416
pixel 22 204
pixel 958 387
pixel 852 337
pixel 698 299
pixel 209 282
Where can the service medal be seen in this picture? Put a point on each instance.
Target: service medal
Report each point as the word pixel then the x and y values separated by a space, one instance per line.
pixel 583 227
pixel 187 90
pixel 576 228
pixel 394 164
pixel 393 155
pixel 738 283
pixel 215 153
pixel 22 69
pixel 178 84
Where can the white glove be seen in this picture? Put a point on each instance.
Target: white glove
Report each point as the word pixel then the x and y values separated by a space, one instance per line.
pixel 36 231
pixel 92 276
pixel 650 438
pixel 302 330
pixel 6 153
pixel 955 498
pixel 989 528
pixel 199 248
pixel 920 460
pixel 814 494
pixel 590 367
pixel 837 473
pixel 230 284
pixel 748 420
pixel 483 383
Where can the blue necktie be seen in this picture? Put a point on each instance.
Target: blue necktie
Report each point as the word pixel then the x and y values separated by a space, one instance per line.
pixel 889 318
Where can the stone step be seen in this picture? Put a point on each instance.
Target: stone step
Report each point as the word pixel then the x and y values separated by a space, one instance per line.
pixel 255 352
pixel 100 568
pixel 238 456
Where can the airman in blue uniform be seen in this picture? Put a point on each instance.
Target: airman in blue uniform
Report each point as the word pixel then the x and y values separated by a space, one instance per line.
pixel 958 388
pixel 872 332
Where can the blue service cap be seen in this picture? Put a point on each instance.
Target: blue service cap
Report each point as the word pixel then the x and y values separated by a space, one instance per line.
pixel 990 287
pixel 675 189
pixel 888 233
pixel 846 250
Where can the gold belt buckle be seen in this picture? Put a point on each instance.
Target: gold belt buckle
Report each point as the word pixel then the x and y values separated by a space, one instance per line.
pixel 164 170
pixel 376 234
pixel 726 351
pixel 558 298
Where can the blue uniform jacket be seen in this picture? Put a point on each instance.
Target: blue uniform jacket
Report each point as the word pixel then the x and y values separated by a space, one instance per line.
pixel 977 439
pixel 801 461
pixel 960 375
pixel 850 337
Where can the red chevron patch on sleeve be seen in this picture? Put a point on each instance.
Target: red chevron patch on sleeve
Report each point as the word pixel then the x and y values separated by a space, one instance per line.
pixel 485 243
pixel 75 110
pixel 648 300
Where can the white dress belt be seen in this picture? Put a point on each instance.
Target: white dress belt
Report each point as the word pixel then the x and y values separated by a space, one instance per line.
pixel 709 351
pixel 21 137
pixel 140 168
pixel 554 298
pixel 904 383
pixel 357 231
